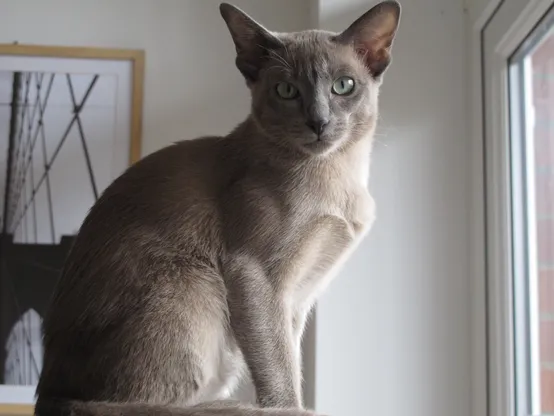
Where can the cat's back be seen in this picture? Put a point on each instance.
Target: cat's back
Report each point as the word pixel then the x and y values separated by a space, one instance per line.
pixel 162 207
pixel 165 190
pixel 144 258
pixel 179 172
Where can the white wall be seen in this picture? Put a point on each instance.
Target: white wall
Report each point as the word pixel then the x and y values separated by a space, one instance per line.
pixel 480 9
pixel 393 330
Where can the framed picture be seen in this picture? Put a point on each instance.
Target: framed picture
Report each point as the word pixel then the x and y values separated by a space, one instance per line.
pixel 70 123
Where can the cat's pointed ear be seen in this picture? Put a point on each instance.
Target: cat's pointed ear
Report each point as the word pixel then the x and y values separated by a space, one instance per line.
pixel 372 35
pixel 252 40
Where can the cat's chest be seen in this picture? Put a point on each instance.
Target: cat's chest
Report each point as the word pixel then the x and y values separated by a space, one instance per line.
pixel 320 239
pixel 296 227
pixel 353 209
pixel 320 227
pixel 344 197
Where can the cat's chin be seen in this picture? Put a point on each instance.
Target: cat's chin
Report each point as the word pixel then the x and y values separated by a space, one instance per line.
pixel 320 147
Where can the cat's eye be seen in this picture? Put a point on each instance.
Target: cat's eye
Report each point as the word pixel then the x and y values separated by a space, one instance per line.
pixel 343 86
pixel 286 90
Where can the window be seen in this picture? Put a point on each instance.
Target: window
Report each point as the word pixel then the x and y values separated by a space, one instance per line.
pixel 518 154
pixel 531 85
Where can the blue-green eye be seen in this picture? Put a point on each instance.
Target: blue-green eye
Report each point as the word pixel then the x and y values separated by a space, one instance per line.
pixel 343 86
pixel 286 90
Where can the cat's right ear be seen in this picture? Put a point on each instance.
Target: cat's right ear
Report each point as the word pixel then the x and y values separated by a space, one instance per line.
pixel 252 41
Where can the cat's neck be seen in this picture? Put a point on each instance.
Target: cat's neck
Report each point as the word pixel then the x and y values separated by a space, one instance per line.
pixel 351 159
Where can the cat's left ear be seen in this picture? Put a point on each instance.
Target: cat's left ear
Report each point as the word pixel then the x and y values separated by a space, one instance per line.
pixel 252 40
pixel 372 35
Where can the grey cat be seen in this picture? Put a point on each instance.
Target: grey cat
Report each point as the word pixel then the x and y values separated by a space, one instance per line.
pixel 200 264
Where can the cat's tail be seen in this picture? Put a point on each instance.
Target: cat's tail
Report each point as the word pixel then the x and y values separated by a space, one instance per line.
pixel 78 408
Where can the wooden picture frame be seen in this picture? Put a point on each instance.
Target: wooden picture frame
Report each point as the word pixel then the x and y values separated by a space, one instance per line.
pixel 137 59
pixel 135 56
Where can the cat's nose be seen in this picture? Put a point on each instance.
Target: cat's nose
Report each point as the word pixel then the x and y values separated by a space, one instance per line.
pixel 317 125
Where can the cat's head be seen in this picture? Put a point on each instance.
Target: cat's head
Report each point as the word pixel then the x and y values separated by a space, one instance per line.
pixel 314 90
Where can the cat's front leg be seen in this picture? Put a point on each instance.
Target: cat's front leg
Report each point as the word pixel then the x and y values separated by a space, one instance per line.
pixel 262 323
pixel 300 319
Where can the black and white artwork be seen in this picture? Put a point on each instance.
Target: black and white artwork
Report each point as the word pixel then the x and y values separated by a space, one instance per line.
pixel 64 136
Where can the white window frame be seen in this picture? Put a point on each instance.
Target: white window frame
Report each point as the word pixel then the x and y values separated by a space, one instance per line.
pixel 495 36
